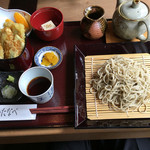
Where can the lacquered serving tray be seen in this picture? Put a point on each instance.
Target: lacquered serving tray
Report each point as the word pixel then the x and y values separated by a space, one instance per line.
pixel 63 79
pixel 69 79
pixel 82 51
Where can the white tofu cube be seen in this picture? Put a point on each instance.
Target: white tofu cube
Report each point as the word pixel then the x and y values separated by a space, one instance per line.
pixel 48 25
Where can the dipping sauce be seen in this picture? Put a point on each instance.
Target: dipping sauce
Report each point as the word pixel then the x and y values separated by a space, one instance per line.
pixel 38 86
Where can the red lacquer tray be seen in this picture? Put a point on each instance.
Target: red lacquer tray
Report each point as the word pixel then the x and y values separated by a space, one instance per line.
pixel 63 79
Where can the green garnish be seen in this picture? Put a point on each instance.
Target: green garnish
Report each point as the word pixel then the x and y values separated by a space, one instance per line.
pixel 10 78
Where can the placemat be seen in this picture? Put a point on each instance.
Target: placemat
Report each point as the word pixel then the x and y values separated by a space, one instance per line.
pixel 112 38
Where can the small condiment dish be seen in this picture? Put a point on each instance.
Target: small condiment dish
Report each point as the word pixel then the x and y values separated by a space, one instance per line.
pixel 37 83
pixel 44 15
pixel 39 56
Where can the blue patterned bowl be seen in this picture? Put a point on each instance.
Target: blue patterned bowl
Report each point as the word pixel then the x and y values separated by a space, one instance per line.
pixel 40 53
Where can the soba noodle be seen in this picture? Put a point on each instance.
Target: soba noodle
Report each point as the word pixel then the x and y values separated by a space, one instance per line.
pixel 122 83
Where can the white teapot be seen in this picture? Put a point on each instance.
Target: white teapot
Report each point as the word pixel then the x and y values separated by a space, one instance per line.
pixel 131 20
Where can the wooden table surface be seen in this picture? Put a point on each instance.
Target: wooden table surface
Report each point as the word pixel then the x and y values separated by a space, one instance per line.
pixel 72 11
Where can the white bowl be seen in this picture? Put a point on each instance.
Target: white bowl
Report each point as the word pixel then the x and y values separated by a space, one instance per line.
pixel 9 14
pixel 29 75
pixel 40 53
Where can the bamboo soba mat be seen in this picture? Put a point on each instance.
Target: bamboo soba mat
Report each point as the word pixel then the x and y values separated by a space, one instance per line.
pixel 95 109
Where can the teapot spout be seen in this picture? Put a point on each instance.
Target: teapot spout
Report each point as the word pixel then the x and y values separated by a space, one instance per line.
pixel 119 2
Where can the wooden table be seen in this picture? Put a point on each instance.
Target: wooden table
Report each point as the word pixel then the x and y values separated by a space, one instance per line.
pixel 73 11
pixel 68 134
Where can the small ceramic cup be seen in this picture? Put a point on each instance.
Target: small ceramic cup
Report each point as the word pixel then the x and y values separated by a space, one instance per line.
pixel 33 73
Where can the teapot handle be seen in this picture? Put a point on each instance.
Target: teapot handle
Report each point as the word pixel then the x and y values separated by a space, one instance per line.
pixel 142 37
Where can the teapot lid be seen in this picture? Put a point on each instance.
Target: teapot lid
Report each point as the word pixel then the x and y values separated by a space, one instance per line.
pixel 134 10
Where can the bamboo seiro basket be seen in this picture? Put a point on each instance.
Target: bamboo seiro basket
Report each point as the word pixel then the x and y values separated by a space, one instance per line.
pixel 95 109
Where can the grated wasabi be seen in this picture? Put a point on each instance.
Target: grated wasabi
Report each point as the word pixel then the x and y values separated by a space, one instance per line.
pixel 11 78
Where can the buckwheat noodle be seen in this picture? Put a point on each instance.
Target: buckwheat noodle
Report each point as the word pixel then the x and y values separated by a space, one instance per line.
pixel 122 83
